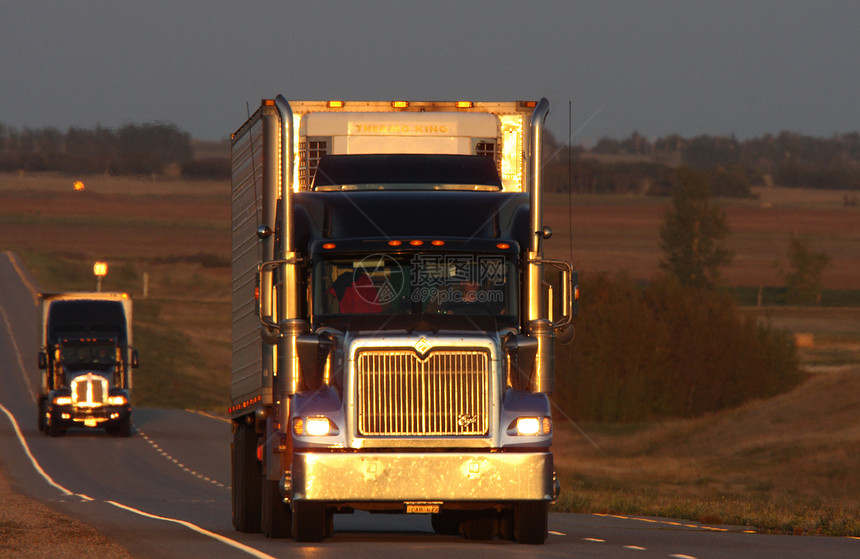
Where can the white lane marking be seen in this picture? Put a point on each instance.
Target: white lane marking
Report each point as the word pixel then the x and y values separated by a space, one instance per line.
pixel 233 543
pixel 21 367
pixel 64 491
pixel 555 533
pixel 682 556
pixel 669 522
pixel 34 293
pixel 209 415
pixel 635 547
pixel 29 454
pixel 179 464
pixel 595 540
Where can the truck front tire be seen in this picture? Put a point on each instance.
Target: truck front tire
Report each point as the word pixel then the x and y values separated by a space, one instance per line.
pixel 42 422
pixel 121 428
pixel 276 516
pixel 446 522
pixel 310 521
pixel 247 479
pixel 479 524
pixel 531 521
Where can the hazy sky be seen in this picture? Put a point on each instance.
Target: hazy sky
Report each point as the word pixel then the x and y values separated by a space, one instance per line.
pixel 656 67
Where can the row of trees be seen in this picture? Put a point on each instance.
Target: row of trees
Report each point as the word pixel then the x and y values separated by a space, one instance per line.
pixel 641 166
pixel 129 150
pixel 766 153
pixel 632 165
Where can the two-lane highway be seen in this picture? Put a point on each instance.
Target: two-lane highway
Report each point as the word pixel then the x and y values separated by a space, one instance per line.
pixel 164 491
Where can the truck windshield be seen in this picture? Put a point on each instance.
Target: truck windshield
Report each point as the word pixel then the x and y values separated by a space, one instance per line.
pixel 419 283
pixel 398 171
pixel 88 356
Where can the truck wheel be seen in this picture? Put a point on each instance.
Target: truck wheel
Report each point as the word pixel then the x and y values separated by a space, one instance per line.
pixel 42 423
pixel 530 521
pixel 506 524
pixel 276 516
pixel 54 430
pixel 479 525
pixel 247 479
pixel 446 522
pixel 310 522
pixel 125 427
pixel 120 429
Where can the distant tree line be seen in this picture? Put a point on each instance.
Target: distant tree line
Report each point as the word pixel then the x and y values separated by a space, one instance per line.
pixel 731 166
pixel 133 149
pixel 635 165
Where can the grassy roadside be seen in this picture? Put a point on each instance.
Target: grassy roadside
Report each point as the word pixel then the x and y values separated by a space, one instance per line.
pixel 783 465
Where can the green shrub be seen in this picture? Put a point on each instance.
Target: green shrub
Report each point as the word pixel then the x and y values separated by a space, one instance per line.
pixel 665 350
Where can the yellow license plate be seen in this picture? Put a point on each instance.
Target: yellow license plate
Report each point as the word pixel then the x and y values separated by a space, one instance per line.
pixel 422 508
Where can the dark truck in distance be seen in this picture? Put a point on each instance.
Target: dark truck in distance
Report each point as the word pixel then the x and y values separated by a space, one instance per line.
pixel 87 359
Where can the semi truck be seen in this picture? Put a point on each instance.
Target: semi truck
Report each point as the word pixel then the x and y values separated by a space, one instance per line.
pixel 394 317
pixel 87 355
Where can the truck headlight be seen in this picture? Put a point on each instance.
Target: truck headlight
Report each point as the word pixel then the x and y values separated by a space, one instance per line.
pixel 62 400
pixel 528 426
pixel 314 426
pixel 531 426
pixel 117 400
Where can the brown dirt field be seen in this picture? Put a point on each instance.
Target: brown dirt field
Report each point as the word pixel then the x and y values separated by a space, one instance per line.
pixel 611 235
pixel 105 221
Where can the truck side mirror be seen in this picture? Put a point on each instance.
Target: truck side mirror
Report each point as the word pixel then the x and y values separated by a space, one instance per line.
pixel 43 360
pixel 521 351
pixel 562 284
pixel 134 363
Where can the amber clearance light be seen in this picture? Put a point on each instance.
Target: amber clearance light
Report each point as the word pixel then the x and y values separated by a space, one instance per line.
pixel 329 246
pixel 394 243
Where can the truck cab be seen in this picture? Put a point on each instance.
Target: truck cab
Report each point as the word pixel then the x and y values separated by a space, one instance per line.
pixel 86 361
pixel 393 321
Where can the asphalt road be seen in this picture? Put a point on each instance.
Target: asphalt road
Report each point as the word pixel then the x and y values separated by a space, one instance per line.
pixel 164 491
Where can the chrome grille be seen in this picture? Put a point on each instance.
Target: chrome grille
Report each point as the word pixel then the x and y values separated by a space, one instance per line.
pixel 89 390
pixel 444 394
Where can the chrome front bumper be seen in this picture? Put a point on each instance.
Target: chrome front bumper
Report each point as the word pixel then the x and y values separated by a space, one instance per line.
pixel 390 477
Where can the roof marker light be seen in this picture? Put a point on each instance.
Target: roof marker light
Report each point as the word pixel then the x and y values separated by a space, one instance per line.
pixel 437 243
pixel 335 104
pixel 503 246
pixel 464 104
pixel 329 246
pixel 416 242
pixel 395 243
pixel 400 104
